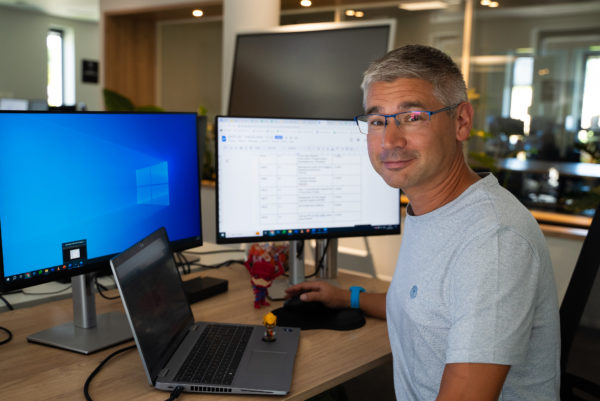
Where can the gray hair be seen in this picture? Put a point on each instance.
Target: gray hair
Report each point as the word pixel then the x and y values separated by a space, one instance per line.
pixel 421 62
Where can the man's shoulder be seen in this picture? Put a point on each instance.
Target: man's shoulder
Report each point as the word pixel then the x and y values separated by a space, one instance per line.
pixel 489 201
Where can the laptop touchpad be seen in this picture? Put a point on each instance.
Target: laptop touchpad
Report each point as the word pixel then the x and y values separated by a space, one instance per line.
pixel 267 368
pixel 267 362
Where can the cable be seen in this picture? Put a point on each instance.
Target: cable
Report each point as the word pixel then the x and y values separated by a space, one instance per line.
pixel 175 393
pixel 319 265
pixel 8 305
pixel 214 252
pixel 182 262
pixel 7 331
pixel 222 264
pixel 88 381
pixel 101 287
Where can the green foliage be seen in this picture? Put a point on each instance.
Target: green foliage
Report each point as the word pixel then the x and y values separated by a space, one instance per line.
pixel 114 101
pixel 592 148
pixel 482 162
pixel 578 202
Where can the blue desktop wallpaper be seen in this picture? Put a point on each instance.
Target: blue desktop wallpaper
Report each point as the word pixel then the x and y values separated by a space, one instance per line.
pixel 108 178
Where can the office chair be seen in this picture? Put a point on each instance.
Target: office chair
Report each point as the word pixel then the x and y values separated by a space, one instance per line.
pixel 572 307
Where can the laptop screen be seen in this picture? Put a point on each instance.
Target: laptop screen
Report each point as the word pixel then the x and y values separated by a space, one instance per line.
pixel 154 299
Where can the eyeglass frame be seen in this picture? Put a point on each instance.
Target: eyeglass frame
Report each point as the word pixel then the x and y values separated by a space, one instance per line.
pixel 386 116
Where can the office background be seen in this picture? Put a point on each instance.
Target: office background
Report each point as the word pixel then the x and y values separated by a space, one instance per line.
pixel 177 62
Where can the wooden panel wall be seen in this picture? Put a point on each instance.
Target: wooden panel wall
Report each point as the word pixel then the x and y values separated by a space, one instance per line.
pixel 130 57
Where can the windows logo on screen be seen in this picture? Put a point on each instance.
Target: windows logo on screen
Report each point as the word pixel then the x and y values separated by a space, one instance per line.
pixel 152 185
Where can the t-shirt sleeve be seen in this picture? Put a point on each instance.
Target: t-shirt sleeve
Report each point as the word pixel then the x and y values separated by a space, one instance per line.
pixel 491 295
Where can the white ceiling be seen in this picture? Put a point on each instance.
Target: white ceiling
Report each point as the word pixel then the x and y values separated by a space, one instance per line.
pixel 87 10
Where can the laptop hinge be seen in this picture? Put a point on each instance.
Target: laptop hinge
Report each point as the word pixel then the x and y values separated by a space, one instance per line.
pixel 163 372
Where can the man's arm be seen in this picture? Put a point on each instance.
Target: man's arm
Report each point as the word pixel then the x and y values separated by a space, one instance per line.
pixel 472 382
pixel 335 297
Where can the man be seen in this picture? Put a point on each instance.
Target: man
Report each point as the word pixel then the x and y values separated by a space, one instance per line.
pixel 472 309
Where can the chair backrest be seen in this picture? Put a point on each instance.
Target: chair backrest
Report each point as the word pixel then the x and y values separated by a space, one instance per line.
pixel 579 289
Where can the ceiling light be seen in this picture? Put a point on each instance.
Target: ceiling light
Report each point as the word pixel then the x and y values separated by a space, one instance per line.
pixel 485 2
pixel 494 4
pixel 349 13
pixel 423 5
pixel 197 13
pixel 359 14
pixel 306 3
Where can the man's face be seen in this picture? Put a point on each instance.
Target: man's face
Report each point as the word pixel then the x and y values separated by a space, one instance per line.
pixel 410 158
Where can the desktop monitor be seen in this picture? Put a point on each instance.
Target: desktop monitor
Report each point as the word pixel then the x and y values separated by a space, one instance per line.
pixel 78 188
pixel 306 71
pixel 291 179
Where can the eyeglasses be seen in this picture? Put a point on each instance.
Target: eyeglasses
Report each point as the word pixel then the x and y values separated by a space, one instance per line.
pixel 376 123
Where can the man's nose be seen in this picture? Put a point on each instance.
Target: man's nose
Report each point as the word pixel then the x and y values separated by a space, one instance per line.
pixel 393 134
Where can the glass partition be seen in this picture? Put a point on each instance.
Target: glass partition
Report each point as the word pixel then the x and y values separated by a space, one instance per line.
pixel 534 84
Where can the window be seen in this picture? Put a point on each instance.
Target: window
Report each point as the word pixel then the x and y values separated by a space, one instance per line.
pixel 55 46
pixel 522 91
pixel 590 108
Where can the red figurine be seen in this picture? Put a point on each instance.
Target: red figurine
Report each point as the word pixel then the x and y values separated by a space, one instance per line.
pixel 265 263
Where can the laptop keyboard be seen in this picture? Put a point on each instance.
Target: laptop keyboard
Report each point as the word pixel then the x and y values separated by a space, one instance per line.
pixel 216 355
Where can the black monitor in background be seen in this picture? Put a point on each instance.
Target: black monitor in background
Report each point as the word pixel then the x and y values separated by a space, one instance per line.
pixel 305 71
pixel 78 188
pixel 291 179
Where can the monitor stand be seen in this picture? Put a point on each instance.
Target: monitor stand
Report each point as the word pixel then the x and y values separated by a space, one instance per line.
pixel 87 333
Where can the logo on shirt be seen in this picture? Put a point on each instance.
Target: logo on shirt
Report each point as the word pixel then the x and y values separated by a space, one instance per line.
pixel 413 291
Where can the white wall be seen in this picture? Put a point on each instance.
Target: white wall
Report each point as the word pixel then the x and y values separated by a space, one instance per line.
pixel 23 71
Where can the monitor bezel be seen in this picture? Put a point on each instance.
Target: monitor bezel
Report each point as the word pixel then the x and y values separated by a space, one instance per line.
pixel 344 233
pixel 101 264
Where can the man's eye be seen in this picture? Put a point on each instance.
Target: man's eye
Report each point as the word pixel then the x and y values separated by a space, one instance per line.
pixel 376 122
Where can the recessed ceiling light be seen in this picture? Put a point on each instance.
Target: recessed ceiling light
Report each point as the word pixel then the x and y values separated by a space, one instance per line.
pixel 306 3
pixel 359 14
pixel 349 13
pixel 197 13
pixel 423 5
pixel 494 4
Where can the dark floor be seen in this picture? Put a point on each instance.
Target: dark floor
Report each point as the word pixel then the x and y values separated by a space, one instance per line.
pixel 377 384
pixel 584 359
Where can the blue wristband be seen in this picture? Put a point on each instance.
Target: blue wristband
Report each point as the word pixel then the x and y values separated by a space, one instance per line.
pixel 354 296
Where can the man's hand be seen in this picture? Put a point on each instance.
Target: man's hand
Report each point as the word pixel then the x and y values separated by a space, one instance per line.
pixel 320 291
pixel 335 297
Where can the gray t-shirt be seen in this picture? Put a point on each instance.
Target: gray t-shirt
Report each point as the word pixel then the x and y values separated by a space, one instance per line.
pixel 474 283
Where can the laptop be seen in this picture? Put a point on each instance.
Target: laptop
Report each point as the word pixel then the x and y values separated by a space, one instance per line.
pixel 169 341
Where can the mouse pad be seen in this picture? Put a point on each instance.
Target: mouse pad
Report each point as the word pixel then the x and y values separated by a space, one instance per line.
pixel 314 315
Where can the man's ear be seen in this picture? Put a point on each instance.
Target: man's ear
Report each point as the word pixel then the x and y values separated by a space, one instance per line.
pixel 464 121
